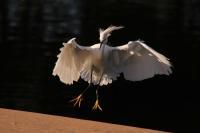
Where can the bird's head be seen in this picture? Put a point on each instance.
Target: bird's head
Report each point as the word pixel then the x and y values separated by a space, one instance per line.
pixel 104 34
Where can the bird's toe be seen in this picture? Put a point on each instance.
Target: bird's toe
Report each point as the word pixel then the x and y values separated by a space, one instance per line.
pixel 97 106
pixel 77 100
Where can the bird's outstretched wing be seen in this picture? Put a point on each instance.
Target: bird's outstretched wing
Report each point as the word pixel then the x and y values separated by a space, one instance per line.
pixel 71 61
pixel 137 61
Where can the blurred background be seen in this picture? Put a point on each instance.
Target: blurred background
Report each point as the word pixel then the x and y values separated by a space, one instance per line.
pixel 32 31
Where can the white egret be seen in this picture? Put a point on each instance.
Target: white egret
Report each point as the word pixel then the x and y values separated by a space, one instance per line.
pixel 100 64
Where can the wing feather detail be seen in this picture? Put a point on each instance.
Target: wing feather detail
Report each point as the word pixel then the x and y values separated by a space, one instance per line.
pixel 137 61
pixel 71 61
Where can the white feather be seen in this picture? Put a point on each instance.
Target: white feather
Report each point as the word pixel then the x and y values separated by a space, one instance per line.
pixel 138 61
pixel 76 61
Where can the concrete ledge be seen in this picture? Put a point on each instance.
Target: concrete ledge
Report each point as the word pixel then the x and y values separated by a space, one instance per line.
pixel 12 121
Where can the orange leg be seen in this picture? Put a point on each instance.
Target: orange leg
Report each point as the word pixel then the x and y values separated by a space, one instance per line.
pixel 96 105
pixel 79 98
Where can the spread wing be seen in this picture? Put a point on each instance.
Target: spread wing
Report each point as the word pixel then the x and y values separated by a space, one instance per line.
pixel 137 61
pixel 71 61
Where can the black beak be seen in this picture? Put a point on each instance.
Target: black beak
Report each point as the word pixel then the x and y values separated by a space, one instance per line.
pixel 101 44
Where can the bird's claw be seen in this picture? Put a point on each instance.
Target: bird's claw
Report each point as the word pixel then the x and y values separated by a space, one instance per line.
pixel 77 100
pixel 97 106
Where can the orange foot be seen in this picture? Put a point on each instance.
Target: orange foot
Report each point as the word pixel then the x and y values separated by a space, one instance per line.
pixel 77 100
pixel 97 106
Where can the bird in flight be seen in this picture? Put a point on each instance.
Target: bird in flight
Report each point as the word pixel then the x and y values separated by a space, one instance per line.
pixel 100 63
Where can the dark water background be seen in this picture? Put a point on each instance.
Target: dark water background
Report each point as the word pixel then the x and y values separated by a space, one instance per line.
pixel 32 31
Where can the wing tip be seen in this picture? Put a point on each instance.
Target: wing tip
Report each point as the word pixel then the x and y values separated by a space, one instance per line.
pixel 72 40
pixel 140 41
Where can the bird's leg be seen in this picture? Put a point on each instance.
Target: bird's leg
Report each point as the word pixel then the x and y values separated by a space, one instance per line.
pixel 96 105
pixel 79 98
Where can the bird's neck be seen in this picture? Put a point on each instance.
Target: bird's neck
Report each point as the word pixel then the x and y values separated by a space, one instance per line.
pixel 102 49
